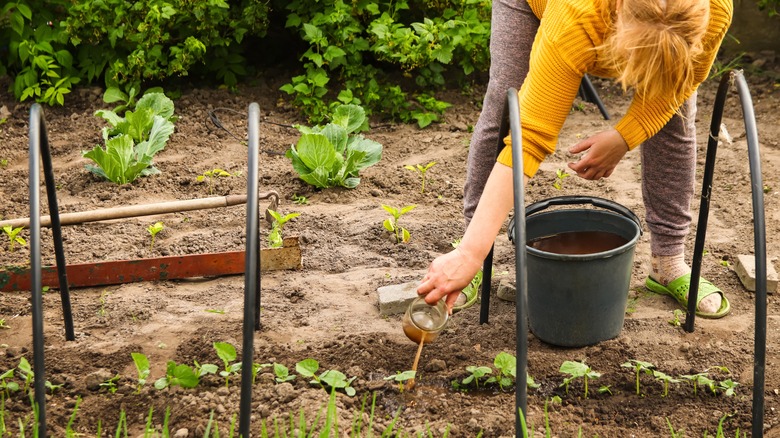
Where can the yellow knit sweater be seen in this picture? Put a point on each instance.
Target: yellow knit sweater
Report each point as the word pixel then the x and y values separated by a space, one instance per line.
pixel 562 53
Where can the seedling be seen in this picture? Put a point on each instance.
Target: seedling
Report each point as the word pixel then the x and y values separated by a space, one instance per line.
pixel 6 386
pixel 206 368
pixel 25 371
pixel 275 235
pixel 13 237
pixel 300 200
pixel 576 370
pixel 282 373
pixel 153 230
pixel 422 170
pixel 638 366
pixel 506 368
pixel 227 353
pixel 210 175
pixel 256 367
pixel 217 311
pixel 728 387
pixel 142 366
pixel 177 375
pixel 676 318
pixel 3 325
pixel 476 374
pixel 402 377
pixel 110 384
pixel 666 379
pixel 560 175
pixel 391 224
pixel 102 312
pixel 329 378
pixel 4 163
pixel 699 379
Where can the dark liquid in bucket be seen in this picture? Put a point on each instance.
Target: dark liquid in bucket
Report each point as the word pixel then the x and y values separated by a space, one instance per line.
pixel 578 242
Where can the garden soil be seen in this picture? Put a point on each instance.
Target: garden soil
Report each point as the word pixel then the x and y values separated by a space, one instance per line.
pixel 328 309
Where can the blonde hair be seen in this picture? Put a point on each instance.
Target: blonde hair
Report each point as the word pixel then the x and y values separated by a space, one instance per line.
pixel 655 44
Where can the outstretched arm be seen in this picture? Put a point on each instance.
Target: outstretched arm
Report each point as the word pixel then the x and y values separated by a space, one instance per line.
pixel 449 273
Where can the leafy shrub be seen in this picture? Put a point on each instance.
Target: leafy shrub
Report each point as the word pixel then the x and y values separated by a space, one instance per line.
pixel 158 39
pixel 133 140
pixel 334 155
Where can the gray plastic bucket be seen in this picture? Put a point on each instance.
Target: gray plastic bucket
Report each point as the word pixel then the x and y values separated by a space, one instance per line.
pixel 576 300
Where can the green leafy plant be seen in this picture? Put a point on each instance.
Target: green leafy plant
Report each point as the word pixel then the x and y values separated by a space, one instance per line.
pixel 110 384
pixel 401 377
pixel 299 199
pixel 275 239
pixel 8 386
pixel 560 175
pixel 256 367
pixel 666 379
pixel 132 141
pixel 575 370
pixel 476 373
pixel 638 366
pixel 211 174
pixel 677 316
pixel 142 366
pixel 328 378
pixel 506 370
pixel 335 154
pixel 391 224
pixel 177 375
pixel 282 373
pixel 699 379
pixel 3 324
pixel 204 369
pixel 13 237
pixel 25 371
pixel 153 230
pixel 227 352
pixel 422 171
pixel 727 387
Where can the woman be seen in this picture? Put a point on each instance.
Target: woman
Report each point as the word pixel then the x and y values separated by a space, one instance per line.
pixel 661 50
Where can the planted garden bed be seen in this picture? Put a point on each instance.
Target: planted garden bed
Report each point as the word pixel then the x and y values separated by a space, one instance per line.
pixel 325 313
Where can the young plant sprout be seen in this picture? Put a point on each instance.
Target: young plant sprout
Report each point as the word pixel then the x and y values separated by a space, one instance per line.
pixel 227 353
pixel 328 378
pixel 282 373
pixel 110 384
pixel 402 377
pixel 299 199
pixel 700 379
pixel 153 230
pixel 211 174
pixel 476 374
pixel 142 366
pixel 560 175
pixel 728 387
pixel 638 366
pixel 391 224
pixel 14 237
pixel 3 325
pixel 203 369
pixel 177 375
pixel 576 370
pixel 275 235
pixel 256 367
pixel 666 379
pixel 506 367
pixel 422 170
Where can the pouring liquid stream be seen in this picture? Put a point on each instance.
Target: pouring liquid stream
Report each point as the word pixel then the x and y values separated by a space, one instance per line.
pixel 410 384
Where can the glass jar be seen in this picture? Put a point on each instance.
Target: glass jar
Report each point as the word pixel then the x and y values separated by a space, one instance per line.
pixel 423 322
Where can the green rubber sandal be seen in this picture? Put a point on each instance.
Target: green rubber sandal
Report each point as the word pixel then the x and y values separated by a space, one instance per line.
pixel 678 289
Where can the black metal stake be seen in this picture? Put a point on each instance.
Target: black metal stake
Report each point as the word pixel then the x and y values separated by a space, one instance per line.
pixel 37 136
pixel 251 272
pixel 704 209
pixel 521 279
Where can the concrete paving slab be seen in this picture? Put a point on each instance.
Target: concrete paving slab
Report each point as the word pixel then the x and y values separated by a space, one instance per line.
pixel 746 271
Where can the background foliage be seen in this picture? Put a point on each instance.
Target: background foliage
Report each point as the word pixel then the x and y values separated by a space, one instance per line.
pixel 388 56
pixel 377 54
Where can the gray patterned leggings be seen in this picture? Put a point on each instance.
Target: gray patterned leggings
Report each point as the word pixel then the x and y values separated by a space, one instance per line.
pixel 668 158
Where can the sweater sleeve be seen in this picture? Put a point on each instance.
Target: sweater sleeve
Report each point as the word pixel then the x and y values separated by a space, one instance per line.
pixel 557 61
pixel 645 117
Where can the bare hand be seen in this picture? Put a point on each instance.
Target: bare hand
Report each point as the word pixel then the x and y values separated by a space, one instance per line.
pixel 447 275
pixel 605 150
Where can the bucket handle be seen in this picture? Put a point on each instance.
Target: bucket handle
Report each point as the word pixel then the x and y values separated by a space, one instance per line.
pixel 576 200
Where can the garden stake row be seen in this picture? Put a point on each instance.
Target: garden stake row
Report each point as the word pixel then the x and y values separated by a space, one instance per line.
pixel 39 151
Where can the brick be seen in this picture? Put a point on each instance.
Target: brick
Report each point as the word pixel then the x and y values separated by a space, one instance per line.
pixel 395 298
pixel 746 271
